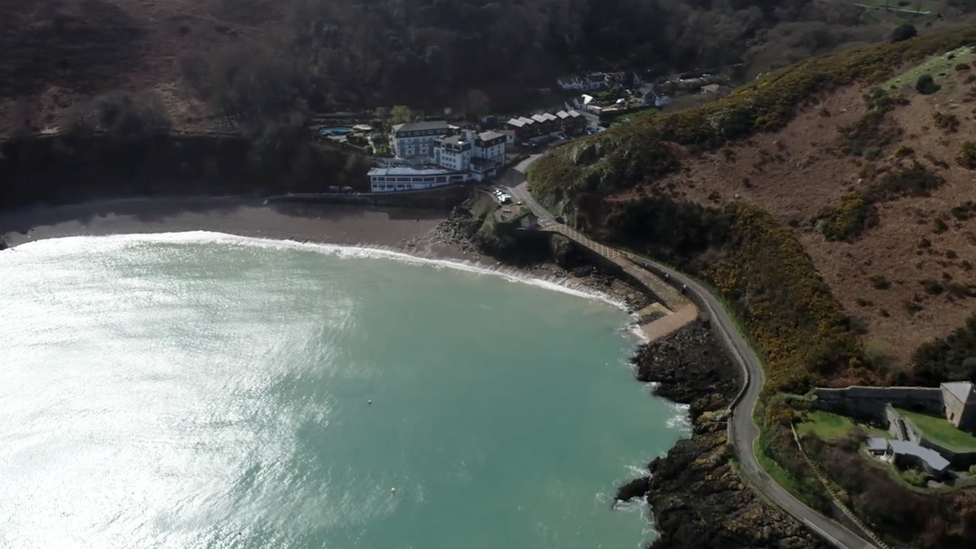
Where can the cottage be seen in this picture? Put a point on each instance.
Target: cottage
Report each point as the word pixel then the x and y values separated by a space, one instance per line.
pixel 543 124
pixel 654 99
pixel 522 128
pixel 959 399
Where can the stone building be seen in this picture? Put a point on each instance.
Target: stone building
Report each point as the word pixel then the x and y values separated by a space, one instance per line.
pixel 959 399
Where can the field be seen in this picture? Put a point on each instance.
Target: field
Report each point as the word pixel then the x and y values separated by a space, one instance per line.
pixel 827 426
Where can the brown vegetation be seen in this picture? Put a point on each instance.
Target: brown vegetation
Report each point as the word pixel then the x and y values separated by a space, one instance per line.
pixel 924 520
pixel 860 220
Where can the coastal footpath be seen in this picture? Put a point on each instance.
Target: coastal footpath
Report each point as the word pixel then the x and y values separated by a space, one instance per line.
pixel 742 429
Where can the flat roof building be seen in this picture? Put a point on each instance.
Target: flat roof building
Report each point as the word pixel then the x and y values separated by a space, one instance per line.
pixel 908 454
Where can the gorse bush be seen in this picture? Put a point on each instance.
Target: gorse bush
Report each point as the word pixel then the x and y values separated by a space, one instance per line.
pixel 868 135
pixel 848 220
pixel 948 122
pixel 952 358
pixel 926 85
pixel 774 287
pixel 903 32
pixel 857 211
pixel 967 155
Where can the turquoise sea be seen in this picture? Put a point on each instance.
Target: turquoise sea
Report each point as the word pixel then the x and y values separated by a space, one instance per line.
pixel 197 390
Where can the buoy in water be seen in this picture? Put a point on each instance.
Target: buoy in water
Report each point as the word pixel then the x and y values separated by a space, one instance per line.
pixel 392 490
pixel 369 402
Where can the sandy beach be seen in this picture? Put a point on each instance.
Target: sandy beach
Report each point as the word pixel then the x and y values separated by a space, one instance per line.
pixel 410 231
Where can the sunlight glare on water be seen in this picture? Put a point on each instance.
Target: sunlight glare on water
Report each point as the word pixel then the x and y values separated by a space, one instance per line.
pixel 202 390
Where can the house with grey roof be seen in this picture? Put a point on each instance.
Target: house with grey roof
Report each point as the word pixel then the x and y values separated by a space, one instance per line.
pixel 906 454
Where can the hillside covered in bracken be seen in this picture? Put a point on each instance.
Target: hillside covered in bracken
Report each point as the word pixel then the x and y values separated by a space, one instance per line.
pixel 832 204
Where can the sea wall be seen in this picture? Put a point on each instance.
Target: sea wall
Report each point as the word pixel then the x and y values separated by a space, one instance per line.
pixel 441 198
pixel 868 403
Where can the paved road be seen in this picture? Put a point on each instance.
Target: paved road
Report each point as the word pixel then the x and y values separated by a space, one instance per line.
pixel 742 429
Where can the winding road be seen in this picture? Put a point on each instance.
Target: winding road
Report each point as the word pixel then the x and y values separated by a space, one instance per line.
pixel 743 430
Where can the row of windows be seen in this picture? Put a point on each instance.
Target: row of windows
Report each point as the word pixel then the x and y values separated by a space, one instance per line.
pixel 392 187
pixel 420 132
pixel 412 179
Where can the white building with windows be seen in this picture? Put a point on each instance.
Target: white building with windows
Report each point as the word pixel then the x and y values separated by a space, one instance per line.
pixel 416 139
pixel 412 179
pixel 454 158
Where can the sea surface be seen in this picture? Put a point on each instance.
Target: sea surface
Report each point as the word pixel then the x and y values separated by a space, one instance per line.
pixel 197 390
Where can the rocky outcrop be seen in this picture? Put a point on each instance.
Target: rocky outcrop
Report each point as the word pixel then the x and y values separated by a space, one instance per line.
pixel 564 251
pixel 697 497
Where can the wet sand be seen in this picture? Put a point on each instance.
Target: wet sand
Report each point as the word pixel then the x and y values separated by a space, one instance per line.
pixel 410 231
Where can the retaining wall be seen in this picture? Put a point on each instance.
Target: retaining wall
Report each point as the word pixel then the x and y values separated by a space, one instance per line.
pixel 868 403
pixel 441 198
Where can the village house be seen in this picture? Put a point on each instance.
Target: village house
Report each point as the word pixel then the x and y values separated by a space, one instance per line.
pixel 654 99
pixel 522 128
pixel 544 125
pixel 571 122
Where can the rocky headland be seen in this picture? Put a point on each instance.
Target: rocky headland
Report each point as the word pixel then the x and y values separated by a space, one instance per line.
pixel 698 499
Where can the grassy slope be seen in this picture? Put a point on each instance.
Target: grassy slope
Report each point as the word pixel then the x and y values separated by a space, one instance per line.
pixel 941 431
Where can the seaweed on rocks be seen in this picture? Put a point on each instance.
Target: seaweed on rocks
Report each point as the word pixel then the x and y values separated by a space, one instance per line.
pixel 697 497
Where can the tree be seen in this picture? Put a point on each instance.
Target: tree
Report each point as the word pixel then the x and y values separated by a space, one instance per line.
pixel 926 85
pixel 382 113
pixel 903 32
pixel 400 114
pixel 477 103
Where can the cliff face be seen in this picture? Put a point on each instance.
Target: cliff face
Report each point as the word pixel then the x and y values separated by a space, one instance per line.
pixel 695 493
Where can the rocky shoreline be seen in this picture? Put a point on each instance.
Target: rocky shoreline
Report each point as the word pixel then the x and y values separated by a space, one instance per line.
pixel 549 257
pixel 696 495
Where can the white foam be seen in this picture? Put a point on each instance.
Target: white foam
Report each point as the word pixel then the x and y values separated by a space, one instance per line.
pixel 681 420
pixel 87 244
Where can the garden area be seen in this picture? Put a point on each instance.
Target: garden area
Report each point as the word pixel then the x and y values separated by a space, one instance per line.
pixel 828 426
pixel 940 431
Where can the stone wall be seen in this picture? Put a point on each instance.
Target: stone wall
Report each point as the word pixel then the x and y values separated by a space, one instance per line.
pixel 868 403
pixel 957 460
pixel 895 425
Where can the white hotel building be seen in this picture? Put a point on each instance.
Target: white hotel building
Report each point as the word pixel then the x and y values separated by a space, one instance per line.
pixel 417 139
pixel 439 155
